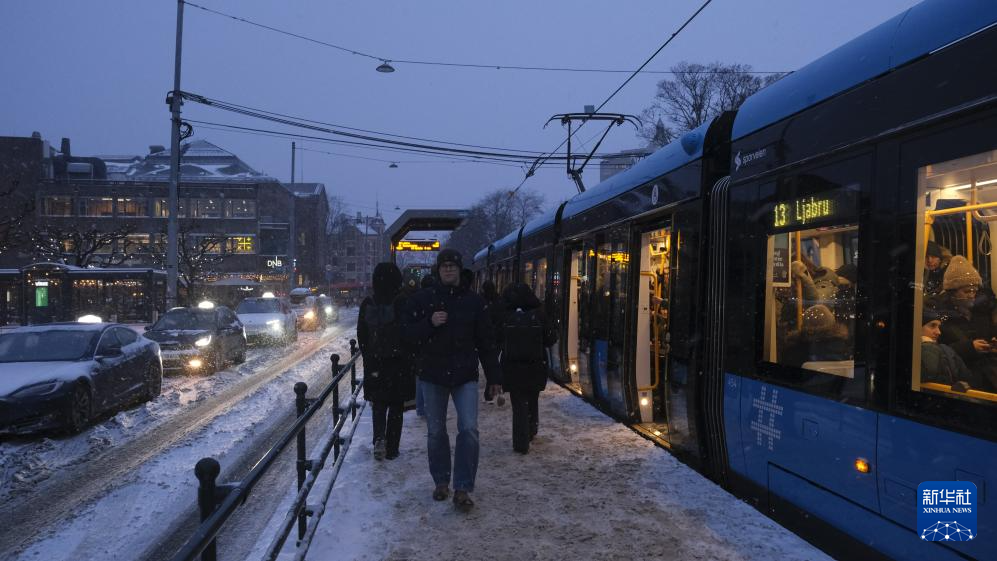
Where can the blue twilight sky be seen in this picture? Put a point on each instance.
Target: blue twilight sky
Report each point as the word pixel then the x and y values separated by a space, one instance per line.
pixel 98 72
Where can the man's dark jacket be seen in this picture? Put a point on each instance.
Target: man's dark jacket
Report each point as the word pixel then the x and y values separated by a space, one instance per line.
pixel 448 355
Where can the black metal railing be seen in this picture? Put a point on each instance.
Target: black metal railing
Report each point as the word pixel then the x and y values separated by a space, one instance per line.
pixel 218 502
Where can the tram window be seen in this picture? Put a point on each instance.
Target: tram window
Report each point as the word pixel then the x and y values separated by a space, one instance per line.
pixel 541 287
pixel 810 299
pixel 955 333
pixel 528 273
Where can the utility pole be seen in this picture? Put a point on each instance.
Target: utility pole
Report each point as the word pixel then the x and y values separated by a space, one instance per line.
pixel 171 224
pixel 292 238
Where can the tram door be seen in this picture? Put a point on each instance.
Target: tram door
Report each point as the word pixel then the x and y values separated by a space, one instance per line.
pixel 653 305
pixel 577 349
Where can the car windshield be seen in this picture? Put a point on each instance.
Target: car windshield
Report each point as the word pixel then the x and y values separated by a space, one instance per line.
pixel 48 345
pixel 263 306
pixel 186 319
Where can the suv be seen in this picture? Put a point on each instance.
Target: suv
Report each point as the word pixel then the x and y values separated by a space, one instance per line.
pixel 306 309
pixel 199 340
pixel 267 320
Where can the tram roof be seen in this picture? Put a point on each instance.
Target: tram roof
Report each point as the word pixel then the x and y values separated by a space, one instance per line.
pixel 508 240
pixel 687 148
pixel 542 222
pixel 918 31
pixel 481 254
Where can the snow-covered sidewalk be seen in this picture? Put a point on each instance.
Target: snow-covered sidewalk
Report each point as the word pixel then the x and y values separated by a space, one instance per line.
pixel 590 488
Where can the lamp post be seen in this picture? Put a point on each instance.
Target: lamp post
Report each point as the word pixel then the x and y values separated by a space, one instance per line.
pixel 173 204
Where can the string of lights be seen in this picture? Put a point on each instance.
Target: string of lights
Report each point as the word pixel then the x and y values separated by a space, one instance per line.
pixel 437 63
pixel 542 159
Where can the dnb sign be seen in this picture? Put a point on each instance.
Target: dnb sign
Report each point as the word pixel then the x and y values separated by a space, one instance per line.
pixel 946 511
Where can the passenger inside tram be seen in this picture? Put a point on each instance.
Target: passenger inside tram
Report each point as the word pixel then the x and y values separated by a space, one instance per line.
pixel 955 349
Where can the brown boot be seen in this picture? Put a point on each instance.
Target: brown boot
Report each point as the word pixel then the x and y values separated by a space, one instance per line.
pixel 462 501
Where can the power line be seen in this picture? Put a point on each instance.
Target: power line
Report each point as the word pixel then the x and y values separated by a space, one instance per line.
pixel 362 145
pixel 506 156
pixel 317 122
pixel 616 91
pixel 447 64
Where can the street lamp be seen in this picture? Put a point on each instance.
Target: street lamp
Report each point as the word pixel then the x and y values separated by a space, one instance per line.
pixel 386 67
pixel 393 165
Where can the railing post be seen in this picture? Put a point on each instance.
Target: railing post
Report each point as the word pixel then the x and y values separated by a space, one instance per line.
pixel 207 470
pixel 335 404
pixel 353 378
pixel 300 404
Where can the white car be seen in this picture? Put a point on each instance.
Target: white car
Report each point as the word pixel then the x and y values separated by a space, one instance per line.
pixel 306 308
pixel 267 320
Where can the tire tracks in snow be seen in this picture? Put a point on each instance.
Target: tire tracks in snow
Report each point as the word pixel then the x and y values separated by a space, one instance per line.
pixel 27 517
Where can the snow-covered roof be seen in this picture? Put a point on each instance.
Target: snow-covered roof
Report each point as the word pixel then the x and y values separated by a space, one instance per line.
pixel 200 160
pixel 305 189
pixel 928 26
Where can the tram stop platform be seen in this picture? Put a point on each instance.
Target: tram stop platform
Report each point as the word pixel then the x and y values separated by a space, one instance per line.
pixel 590 488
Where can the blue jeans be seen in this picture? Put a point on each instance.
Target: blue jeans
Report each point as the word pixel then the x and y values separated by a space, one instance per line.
pixel 465 461
pixel 420 402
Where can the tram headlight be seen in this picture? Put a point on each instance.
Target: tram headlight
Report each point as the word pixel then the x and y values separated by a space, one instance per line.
pixel 203 341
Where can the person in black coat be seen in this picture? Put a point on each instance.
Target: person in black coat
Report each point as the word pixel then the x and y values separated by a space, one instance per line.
pixel 526 335
pixel 450 328
pixel 388 375
pixel 496 309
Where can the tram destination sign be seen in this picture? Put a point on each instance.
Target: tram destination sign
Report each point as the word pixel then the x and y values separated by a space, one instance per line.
pixel 804 211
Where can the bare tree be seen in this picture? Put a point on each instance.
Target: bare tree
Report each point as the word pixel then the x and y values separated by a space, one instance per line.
pixel 696 93
pixel 197 253
pixel 15 208
pixel 82 244
pixel 492 217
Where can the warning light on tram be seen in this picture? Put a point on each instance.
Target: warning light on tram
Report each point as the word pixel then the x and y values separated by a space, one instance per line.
pixel 862 465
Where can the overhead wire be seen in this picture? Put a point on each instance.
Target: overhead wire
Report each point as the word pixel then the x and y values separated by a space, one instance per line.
pixel 439 63
pixel 616 91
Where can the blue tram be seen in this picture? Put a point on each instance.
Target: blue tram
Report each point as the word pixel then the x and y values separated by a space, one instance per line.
pixel 768 296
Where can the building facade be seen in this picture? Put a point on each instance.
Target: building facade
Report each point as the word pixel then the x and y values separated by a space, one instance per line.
pixel 233 221
pixel 356 246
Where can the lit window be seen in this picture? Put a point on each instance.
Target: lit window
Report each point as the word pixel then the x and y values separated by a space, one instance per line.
pixel 97 206
pixel 206 208
pixel 134 207
pixel 954 329
pixel 240 208
pixel 241 244
pixel 57 206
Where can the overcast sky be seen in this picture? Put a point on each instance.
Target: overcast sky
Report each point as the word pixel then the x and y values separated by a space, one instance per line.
pixel 98 72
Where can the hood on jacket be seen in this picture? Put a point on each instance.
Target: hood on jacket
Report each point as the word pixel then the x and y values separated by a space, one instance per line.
pixel 387 282
pixel 520 295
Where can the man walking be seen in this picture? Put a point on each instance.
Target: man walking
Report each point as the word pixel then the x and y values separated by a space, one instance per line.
pixel 452 330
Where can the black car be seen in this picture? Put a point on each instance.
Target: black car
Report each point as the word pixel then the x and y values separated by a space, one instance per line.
pixel 199 340
pixel 61 375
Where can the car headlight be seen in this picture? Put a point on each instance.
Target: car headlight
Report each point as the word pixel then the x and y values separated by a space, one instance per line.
pixel 43 388
pixel 203 341
pixel 328 310
pixel 309 314
pixel 276 325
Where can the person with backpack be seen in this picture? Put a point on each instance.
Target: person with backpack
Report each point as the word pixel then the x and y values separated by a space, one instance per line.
pixel 526 334
pixel 388 375
pixel 450 327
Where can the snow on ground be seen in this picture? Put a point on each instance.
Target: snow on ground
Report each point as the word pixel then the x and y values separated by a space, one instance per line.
pixel 128 518
pixel 590 488
pixel 27 460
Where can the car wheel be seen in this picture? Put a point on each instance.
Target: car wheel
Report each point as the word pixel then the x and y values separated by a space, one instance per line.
pixel 154 382
pixel 80 408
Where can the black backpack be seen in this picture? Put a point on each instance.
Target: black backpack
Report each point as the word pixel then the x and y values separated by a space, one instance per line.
pixel 523 333
pixel 383 330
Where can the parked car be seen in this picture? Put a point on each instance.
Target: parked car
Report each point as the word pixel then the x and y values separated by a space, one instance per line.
pixel 267 320
pixel 199 340
pixel 62 375
pixel 329 309
pixel 306 309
